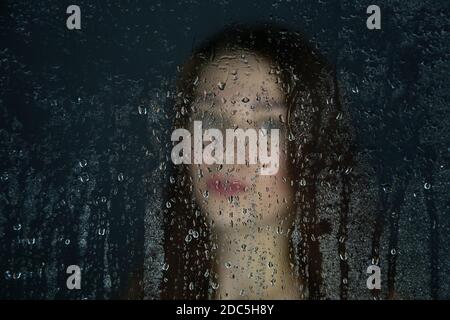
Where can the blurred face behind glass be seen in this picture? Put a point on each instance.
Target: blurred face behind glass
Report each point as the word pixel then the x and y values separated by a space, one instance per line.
pixel 240 89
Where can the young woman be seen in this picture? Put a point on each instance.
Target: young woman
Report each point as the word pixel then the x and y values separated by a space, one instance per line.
pixel 231 232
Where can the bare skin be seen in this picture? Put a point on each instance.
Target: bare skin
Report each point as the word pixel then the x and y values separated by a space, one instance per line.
pixel 255 264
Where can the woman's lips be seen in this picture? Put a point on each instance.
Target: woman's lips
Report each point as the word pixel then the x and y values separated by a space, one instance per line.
pixel 225 187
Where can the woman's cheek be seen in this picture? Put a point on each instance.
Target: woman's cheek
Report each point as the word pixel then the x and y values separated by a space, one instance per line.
pixel 280 182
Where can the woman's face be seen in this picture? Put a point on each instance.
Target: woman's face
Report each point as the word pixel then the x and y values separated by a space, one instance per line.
pixel 242 90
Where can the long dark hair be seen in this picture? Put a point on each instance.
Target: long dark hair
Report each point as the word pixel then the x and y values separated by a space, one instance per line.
pixel 319 152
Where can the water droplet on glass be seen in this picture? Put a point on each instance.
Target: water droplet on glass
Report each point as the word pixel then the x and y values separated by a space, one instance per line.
pixel 427 186
pixel 142 110
pixel 120 177
pixel 221 85
pixel 245 100
pixel 386 188
pixel 4 176
pixel 82 163
pixel 291 136
pixel 280 230
pixel 214 285
pixel 355 90
pixel 8 275
pixel 343 256
pixel 84 177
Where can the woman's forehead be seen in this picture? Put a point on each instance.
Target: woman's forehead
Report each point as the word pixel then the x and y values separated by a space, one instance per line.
pixel 239 76
pixel 213 103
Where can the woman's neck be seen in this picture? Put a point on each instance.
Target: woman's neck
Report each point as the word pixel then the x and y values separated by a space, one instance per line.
pixel 254 263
